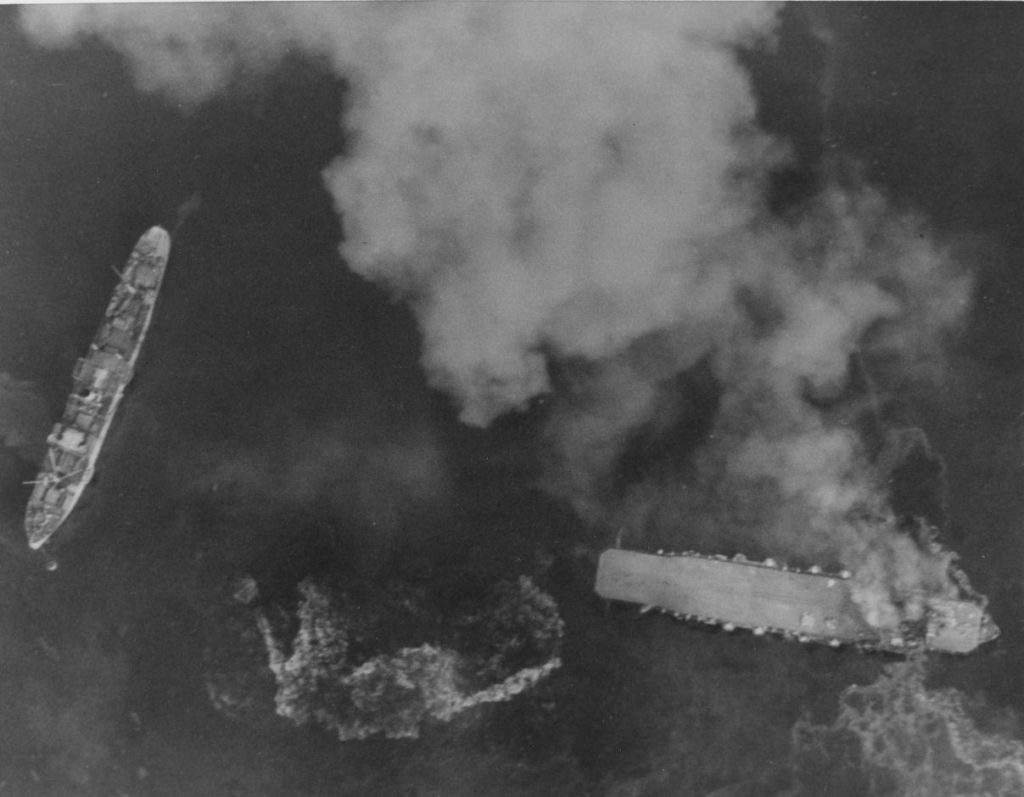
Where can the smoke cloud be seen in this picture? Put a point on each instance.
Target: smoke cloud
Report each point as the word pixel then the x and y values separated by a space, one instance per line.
pixel 571 199
pixel 510 161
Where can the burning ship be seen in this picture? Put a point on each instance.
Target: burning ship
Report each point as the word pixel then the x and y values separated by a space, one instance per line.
pixel 811 605
pixel 100 379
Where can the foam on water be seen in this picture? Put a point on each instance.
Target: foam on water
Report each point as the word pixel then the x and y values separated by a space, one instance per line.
pixel 895 736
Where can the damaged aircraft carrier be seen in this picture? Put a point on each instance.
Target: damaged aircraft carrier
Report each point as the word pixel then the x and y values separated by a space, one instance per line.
pixel 765 597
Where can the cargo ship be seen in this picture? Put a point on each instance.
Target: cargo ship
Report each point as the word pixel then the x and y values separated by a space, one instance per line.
pixel 99 380
pixel 806 605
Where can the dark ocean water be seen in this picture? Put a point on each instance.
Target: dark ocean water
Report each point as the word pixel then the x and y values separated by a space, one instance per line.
pixel 264 347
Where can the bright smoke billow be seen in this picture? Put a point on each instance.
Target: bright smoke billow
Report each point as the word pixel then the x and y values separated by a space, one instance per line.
pixel 580 188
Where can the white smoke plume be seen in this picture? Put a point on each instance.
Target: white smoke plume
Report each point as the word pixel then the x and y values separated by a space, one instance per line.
pixel 531 176
pixel 552 184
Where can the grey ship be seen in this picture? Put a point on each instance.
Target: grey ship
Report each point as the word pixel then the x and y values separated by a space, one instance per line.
pixel 100 379
pixel 810 606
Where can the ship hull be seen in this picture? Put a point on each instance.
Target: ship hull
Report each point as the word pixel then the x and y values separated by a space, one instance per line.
pixel 810 606
pixel 99 382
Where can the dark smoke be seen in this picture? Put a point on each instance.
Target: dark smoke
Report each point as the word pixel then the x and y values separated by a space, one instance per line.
pixel 538 202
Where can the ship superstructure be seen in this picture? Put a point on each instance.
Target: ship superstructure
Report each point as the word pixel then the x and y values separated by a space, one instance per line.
pixel 764 597
pixel 99 381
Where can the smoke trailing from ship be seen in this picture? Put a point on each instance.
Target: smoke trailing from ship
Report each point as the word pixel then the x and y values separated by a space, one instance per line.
pixel 572 199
